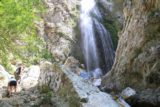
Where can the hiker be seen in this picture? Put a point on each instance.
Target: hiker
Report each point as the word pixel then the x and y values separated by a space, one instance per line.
pixel 12 86
pixel 18 73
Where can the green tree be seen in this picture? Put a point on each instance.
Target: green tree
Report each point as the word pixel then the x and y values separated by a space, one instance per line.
pixel 17 28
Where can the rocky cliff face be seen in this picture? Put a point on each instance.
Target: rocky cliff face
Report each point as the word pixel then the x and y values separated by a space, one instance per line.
pixel 59 28
pixel 137 62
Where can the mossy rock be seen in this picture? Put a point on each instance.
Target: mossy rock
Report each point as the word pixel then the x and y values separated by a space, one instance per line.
pixel 113 27
pixel 57 82
pixel 68 93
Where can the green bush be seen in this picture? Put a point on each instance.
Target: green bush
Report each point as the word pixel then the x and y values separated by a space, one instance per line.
pixel 47 55
pixel 47 94
pixel 18 31
pixel 47 98
pixel 113 27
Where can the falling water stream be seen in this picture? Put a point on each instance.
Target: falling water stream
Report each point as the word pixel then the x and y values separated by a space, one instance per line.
pixel 91 29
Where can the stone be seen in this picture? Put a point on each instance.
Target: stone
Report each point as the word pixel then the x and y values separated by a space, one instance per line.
pixel 4 104
pixel 128 92
pixel 34 71
pixel 33 97
pixel 50 76
pixel 73 64
pixel 145 98
pixel 73 89
pixel 97 82
pixel 28 82
pixel 85 75
pixel 30 78
pixel 123 102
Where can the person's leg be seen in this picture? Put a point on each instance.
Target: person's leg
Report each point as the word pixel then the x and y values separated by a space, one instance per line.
pixel 15 88
pixel 8 89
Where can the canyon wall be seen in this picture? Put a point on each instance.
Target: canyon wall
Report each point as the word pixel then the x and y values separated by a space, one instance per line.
pixel 60 30
pixel 137 62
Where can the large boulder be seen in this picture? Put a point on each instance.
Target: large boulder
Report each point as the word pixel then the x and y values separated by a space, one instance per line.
pixel 128 92
pixel 4 76
pixel 146 98
pixel 30 77
pixel 74 89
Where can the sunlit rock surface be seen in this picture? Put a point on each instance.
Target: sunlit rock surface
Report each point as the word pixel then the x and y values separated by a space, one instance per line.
pixel 74 89
pixel 30 77
pixel 59 28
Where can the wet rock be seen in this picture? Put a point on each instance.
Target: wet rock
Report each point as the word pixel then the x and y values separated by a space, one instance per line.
pixel 123 102
pixel 100 99
pixel 72 88
pixel 97 73
pixel 128 92
pixel 97 82
pixel 146 98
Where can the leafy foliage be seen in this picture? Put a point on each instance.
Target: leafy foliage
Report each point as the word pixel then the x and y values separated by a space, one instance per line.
pixel 17 30
pixel 113 27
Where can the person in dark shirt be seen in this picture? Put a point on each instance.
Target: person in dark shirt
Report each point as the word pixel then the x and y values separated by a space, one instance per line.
pixel 12 86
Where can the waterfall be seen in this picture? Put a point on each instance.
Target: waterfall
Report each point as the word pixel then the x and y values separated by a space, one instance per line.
pixel 88 36
pixel 107 45
pixel 91 29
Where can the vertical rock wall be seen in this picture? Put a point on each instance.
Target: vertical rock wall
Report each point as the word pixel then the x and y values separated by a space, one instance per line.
pixel 59 28
pixel 137 62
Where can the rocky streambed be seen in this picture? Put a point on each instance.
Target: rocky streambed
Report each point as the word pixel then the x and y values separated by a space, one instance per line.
pixel 52 85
